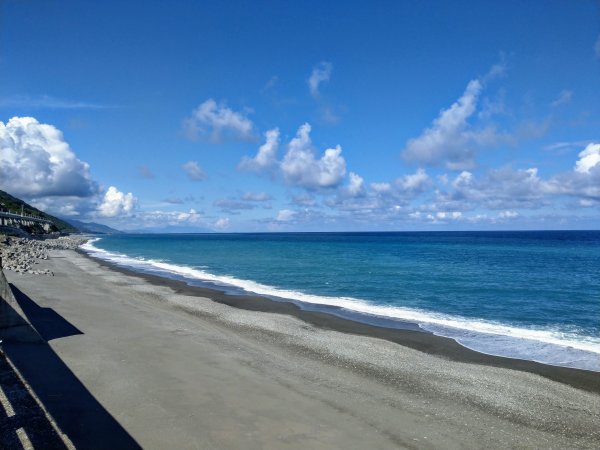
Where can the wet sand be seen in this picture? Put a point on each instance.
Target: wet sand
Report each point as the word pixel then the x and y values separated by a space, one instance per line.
pixel 177 366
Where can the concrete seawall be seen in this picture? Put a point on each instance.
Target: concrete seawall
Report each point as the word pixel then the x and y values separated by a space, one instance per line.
pixel 14 325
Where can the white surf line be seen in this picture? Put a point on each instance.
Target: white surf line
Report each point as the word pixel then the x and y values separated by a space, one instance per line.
pixel 6 404
pixel 354 305
pixel 49 418
pixel 25 442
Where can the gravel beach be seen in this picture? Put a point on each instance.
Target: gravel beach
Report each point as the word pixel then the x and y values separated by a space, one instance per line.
pixel 164 366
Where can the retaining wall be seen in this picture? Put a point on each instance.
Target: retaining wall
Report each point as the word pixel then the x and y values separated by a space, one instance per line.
pixel 14 325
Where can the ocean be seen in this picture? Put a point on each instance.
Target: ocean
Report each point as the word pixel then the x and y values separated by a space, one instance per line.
pixel 523 294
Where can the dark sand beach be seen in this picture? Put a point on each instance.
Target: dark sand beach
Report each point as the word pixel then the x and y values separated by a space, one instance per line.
pixel 137 360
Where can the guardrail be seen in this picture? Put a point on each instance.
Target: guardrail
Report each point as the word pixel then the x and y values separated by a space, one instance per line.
pixel 9 215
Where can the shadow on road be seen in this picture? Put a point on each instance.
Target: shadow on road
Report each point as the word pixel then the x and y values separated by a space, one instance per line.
pixel 74 409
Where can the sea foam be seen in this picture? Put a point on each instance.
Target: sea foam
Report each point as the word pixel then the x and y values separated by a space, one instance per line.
pixel 537 344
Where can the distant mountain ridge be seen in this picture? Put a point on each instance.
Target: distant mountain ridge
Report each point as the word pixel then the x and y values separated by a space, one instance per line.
pixel 93 227
pixel 16 205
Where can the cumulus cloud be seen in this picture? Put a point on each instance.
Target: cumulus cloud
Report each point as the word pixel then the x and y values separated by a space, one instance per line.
pixel 221 223
pixel 320 74
pixel 116 203
pixel 285 215
pixel 381 187
pixel 588 158
pixel 194 171
pixel 582 182
pixel 414 183
pixel 266 156
pixel 191 216
pixel 356 184
pixel 454 215
pixel 217 123
pixel 36 161
pixel 299 166
pixel 68 206
pixel 450 139
pixel 508 215
pixel 504 188
pixel 379 198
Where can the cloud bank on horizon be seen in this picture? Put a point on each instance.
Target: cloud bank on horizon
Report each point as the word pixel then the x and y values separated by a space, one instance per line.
pixel 317 146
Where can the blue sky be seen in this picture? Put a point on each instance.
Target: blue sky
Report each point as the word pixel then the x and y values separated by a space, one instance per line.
pixel 274 116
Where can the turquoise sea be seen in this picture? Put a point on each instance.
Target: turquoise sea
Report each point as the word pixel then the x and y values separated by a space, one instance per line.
pixel 531 295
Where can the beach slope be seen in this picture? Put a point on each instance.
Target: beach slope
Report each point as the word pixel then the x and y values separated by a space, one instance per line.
pixel 167 368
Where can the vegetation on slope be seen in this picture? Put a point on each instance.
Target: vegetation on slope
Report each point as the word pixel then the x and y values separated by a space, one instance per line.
pixel 13 204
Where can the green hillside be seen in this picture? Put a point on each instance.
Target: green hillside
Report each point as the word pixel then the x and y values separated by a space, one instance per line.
pixel 13 204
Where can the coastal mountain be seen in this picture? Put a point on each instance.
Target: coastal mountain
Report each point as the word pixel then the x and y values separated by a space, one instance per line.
pixel 16 205
pixel 92 227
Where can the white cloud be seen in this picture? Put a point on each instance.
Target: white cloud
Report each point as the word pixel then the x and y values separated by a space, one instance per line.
pixel 450 139
pixel 266 156
pixel 588 158
pixel 444 215
pixel 300 167
pixel 192 216
pixel 381 187
pixel 382 197
pixel 116 203
pixel 320 74
pixel 563 98
pixel 463 179
pixel 285 215
pixel 194 171
pixel 221 223
pixel 68 206
pixel 356 184
pixel 506 188
pixel 217 123
pixel 417 182
pixel 508 214
pixel 581 182
pixel 36 161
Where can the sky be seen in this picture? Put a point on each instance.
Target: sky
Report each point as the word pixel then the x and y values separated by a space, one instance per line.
pixel 252 116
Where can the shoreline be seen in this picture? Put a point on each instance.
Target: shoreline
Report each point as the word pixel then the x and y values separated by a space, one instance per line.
pixel 418 339
pixel 132 361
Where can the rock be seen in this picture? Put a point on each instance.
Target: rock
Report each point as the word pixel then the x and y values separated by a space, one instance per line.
pixel 20 254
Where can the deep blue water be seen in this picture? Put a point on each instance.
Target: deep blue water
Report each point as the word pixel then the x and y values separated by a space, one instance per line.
pixel 533 295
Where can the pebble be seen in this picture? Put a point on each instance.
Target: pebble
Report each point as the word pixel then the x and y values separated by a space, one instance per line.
pixel 20 254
